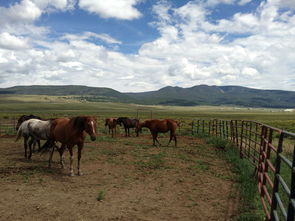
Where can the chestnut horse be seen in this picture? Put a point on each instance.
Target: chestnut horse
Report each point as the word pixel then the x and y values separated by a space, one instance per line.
pixel 160 126
pixel 70 132
pixel 112 124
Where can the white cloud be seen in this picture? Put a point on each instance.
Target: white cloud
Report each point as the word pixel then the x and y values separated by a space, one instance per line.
pixel 24 11
pixel 88 35
pixel 119 9
pixel 8 41
pixel 249 49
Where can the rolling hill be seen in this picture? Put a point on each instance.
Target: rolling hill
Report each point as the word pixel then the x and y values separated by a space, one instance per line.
pixel 197 95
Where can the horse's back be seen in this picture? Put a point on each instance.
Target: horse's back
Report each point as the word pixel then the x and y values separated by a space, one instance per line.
pixel 163 125
pixel 40 129
pixel 59 127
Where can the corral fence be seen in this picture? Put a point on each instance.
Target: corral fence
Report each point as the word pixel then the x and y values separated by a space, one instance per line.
pixel 271 151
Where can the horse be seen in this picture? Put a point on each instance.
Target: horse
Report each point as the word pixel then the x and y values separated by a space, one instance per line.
pixel 70 132
pixel 128 123
pixel 111 123
pixel 36 129
pixel 24 118
pixel 160 126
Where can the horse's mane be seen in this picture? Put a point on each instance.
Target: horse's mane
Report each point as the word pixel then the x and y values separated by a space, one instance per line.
pixel 78 122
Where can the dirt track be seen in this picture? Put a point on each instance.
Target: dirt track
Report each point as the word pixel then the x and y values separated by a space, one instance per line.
pixel 135 181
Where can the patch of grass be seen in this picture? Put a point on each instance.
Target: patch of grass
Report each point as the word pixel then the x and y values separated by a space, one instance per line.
pixel 113 152
pixel 250 208
pixel 200 165
pixel 104 139
pixel 101 195
pixel 217 142
pixel 154 161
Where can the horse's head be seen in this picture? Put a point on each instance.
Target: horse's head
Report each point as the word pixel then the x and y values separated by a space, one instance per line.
pixel 88 124
pixel 19 121
pixel 119 121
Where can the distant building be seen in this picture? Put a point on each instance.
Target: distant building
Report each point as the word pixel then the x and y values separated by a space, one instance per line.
pixel 289 110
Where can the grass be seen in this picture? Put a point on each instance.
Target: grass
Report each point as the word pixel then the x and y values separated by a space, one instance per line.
pixel 250 208
pixel 101 195
pixel 152 161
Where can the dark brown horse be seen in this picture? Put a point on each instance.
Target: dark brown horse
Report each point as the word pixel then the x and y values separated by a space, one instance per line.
pixel 160 126
pixel 128 123
pixel 70 132
pixel 111 123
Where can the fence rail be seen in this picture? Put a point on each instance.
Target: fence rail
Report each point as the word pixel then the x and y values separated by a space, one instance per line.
pixel 272 153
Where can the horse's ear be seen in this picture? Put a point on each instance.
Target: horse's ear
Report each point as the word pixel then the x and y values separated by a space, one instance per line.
pixel 79 123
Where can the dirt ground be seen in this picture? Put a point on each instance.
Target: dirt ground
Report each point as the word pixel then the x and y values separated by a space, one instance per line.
pixel 124 179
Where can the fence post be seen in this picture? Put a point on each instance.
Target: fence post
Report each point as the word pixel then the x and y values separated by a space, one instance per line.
pixel 203 127
pixel 209 130
pixel 274 202
pixel 241 144
pixel 231 131
pixel 291 212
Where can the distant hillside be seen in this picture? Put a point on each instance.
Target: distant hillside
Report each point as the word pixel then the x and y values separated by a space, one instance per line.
pixel 197 95
pixel 87 93
pixel 218 95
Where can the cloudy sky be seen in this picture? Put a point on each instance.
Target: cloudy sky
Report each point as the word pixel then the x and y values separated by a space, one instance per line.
pixel 143 45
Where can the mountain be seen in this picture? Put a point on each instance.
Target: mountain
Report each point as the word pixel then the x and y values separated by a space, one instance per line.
pixel 88 93
pixel 218 95
pixel 197 95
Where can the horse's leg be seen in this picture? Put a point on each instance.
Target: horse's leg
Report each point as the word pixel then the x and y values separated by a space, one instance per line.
pixel 30 146
pixel 128 131
pixel 155 134
pixel 171 136
pixel 175 140
pixel 112 132
pixel 25 145
pixel 125 131
pixel 50 157
pixel 80 147
pixel 61 152
pixel 70 148
pixel 39 145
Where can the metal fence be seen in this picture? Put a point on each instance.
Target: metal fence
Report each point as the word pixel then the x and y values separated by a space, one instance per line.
pixel 272 153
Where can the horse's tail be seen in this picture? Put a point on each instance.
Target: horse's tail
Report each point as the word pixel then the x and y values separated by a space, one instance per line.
pixel 19 133
pixel 46 146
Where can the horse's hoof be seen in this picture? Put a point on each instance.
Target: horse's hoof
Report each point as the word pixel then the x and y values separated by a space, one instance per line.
pixel 80 173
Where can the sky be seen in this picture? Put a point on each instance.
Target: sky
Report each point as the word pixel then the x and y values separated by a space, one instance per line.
pixel 144 45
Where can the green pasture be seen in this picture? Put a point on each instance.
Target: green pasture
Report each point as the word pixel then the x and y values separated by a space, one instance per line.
pixel 12 106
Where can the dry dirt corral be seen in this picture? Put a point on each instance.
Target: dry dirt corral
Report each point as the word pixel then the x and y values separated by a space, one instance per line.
pixel 124 179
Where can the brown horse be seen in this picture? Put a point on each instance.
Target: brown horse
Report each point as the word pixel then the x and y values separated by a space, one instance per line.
pixel 70 132
pixel 112 124
pixel 160 126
